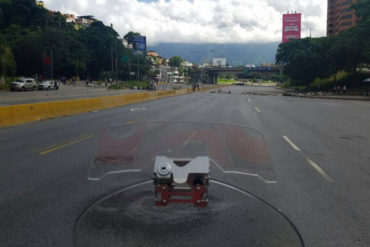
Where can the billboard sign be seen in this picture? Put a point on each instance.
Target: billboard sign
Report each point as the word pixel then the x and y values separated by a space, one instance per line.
pixel 291 27
pixel 139 43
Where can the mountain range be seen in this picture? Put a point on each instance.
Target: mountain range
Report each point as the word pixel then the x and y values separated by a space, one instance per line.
pixel 236 54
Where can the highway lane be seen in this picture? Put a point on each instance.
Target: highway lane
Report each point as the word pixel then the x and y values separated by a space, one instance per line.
pixel 335 135
pixel 43 165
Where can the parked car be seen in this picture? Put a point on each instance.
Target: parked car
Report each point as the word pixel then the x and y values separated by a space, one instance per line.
pixel 23 84
pixel 47 85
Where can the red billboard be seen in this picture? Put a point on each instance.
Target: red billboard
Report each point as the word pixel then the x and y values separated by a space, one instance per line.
pixel 291 27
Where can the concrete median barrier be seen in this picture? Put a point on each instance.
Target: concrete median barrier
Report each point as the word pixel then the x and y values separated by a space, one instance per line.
pixel 19 114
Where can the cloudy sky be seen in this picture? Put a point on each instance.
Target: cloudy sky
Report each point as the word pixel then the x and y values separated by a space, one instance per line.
pixel 200 21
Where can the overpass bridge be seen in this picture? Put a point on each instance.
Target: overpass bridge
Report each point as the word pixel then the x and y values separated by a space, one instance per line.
pixel 212 73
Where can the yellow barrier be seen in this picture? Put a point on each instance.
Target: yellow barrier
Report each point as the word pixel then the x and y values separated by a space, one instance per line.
pixel 18 114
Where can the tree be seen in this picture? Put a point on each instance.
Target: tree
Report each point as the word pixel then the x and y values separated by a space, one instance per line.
pixel 175 61
pixel 362 29
pixel 305 59
pixel 7 63
pixel 130 36
pixel 32 33
pixel 362 8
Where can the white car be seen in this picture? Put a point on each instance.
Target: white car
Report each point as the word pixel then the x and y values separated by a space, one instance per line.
pixel 47 85
pixel 23 84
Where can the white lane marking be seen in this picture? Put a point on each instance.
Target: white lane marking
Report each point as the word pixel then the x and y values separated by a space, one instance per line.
pixel 111 173
pixel 319 170
pixel 139 109
pixel 311 162
pixel 295 147
pixel 249 100
pixel 257 110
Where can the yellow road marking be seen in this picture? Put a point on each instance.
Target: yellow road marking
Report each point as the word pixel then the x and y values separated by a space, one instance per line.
pixel 52 146
pixel 66 144
pixel 134 121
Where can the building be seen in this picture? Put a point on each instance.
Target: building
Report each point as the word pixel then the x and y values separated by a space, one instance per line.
pixel 85 20
pixel 154 57
pixel 219 62
pixel 340 16
pixel 162 73
pixel 126 44
pixel 40 3
pixel 174 76
pixel 152 54
pixel 186 64
pixel 70 18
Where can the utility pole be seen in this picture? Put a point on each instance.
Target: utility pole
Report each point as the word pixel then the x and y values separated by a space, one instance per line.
pixel 129 66
pixel 138 67
pixel 77 65
pixel 111 55
pixel 51 63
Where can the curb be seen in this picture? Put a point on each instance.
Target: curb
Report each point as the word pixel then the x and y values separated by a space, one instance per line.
pixel 323 97
pixel 20 114
pixel 364 98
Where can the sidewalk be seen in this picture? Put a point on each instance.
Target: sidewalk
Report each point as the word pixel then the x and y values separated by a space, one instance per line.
pixel 64 93
pixel 342 97
pixel 325 95
pixel 68 92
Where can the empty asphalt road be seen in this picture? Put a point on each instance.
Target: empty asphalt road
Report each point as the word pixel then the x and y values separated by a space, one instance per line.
pixel 319 156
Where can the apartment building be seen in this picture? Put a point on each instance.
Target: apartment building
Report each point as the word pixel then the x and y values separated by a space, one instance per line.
pixel 340 16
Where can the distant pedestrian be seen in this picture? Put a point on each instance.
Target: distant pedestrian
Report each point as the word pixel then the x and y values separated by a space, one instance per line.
pixel 56 86
pixel 87 82
pixel 344 89
pixel 198 86
pixel 154 86
pixel 193 86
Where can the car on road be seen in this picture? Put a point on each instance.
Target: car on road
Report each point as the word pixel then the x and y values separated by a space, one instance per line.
pixel 23 84
pixel 46 85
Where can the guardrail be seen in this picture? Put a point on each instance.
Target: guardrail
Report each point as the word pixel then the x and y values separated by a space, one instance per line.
pixel 19 114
